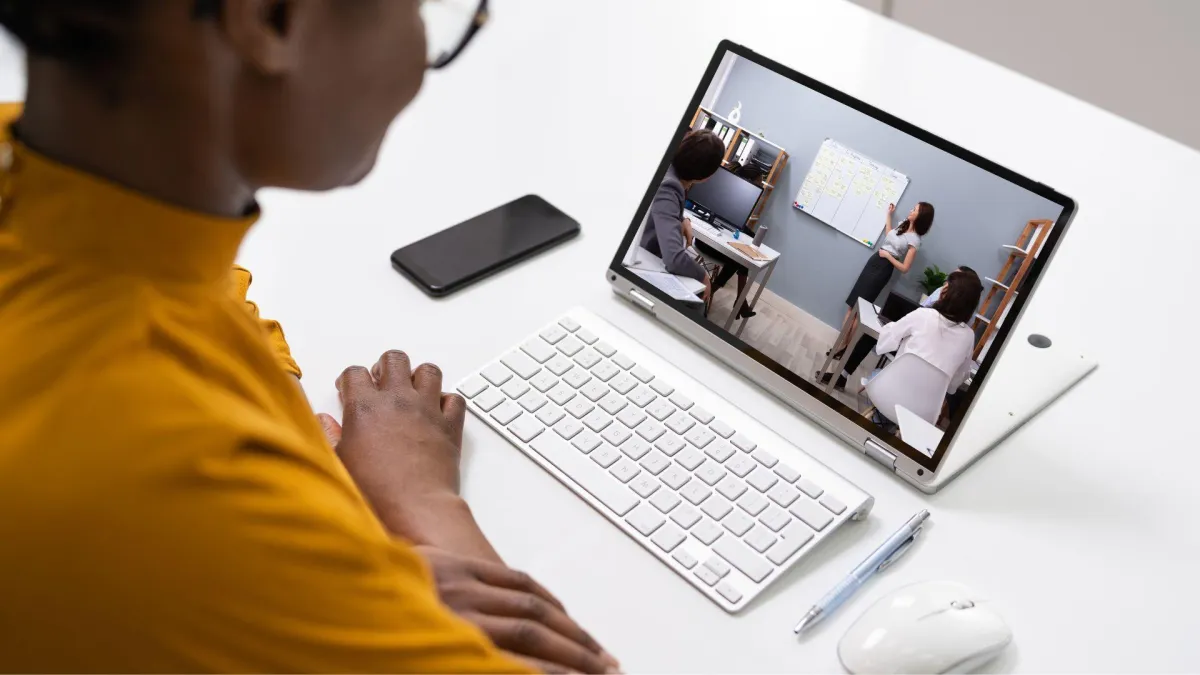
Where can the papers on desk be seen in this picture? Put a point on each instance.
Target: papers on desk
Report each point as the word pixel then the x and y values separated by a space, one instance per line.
pixel 748 250
pixel 670 284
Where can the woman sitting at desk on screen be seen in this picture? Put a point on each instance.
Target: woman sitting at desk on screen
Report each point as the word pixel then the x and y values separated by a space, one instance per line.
pixel 898 251
pixel 669 235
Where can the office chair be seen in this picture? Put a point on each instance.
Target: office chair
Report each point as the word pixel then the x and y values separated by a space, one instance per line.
pixel 912 382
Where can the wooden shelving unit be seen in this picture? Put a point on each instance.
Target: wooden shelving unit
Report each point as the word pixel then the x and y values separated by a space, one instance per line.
pixel 764 154
pixel 1004 288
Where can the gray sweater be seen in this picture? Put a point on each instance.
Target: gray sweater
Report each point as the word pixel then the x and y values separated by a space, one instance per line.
pixel 664 233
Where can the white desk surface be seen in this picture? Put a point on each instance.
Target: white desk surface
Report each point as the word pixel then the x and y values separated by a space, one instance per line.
pixel 721 239
pixel 1079 527
pixel 868 318
pixel 916 431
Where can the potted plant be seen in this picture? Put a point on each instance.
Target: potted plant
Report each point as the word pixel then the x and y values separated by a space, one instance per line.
pixel 933 280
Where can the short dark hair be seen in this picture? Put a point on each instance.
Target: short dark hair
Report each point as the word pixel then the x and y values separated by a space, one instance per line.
pixel 961 297
pixel 699 155
pixel 921 223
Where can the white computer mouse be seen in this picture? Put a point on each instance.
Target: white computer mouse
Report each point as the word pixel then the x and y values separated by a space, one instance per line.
pixel 930 627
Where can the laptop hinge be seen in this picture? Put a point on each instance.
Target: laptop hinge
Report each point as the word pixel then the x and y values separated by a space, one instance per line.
pixel 641 300
pixel 877 453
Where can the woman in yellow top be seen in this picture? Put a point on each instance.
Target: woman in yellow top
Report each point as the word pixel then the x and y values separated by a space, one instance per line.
pixel 169 501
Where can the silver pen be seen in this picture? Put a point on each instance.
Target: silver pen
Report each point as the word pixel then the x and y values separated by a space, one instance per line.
pixel 888 553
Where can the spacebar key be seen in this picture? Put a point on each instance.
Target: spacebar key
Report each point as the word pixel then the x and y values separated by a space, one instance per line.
pixel 586 473
pixel 741 557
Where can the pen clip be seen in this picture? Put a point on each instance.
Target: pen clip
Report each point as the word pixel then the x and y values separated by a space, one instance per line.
pixel 900 551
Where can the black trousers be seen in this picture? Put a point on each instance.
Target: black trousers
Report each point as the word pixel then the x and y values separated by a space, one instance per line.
pixel 728 266
pixel 862 348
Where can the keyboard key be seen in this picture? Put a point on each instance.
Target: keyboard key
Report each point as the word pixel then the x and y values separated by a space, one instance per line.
pixel 539 350
pixel 690 458
pixel 783 494
pixel 550 415
pixel 762 480
pixel 701 414
pixel 515 388
pixel 569 323
pixel 642 374
pixel 532 402
pixel 786 472
pixel 605 371
pixel 615 434
pixel 721 429
pixel 623 383
pixel 594 480
pixel 728 592
pixel 706 575
pixel 684 558
pixel 472 386
pixel 711 473
pixel 670 445
pixel 741 466
pixel 668 538
pixel 753 503
pixel 576 377
pixel 588 358
pixel 578 407
pixel 655 462
pixel 833 504
pixel 605 455
pixel 631 416
pixel 664 500
pixel 586 443
pixel 604 348
pixel 559 365
pixel 543 381
pixel 641 397
pixel 525 428
pixel 680 422
pixel 765 458
pixel 497 374
pixel 793 537
pixel 635 448
pixel 682 401
pixel 731 488
pixel 719 450
pixel 561 393
pixel 742 443
pixel 613 404
pixel 716 508
pixel 718 566
pixel 594 390
pixel 624 471
pixel 586 335
pixel 810 488
pixel 812 514
pixel 749 562
pixel 644 486
pixel 623 361
pixel 707 531
pixel 568 428
pixel 695 492
pixel 661 388
pixel 774 518
pixel 569 346
pixel 597 420
pixel 759 538
pixel 699 436
pixel 489 399
pixel 506 412
pixel 650 430
pixel 553 334
pixel 686 516
pixel 521 364
pixel 660 409
pixel 737 522
pixel 645 519
pixel 675 476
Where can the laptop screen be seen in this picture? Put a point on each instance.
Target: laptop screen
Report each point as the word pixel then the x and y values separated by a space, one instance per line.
pixel 877 267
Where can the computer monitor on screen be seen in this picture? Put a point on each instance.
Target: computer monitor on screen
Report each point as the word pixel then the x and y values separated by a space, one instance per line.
pixel 725 199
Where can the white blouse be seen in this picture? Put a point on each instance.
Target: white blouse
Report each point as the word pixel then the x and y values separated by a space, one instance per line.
pixel 940 342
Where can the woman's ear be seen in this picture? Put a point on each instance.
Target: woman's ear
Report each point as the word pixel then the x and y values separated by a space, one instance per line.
pixel 266 33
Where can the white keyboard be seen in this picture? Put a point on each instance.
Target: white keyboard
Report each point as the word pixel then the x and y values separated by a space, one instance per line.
pixel 718 497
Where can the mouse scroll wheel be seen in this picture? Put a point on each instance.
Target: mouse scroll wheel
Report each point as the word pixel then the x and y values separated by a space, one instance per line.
pixel 962 604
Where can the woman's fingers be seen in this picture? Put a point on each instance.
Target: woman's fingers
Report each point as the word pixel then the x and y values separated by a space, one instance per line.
pixel 533 639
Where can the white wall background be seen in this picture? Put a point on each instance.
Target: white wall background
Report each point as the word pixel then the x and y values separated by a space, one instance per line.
pixel 1137 58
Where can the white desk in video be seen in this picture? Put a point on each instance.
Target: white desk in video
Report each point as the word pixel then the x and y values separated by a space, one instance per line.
pixel 759 268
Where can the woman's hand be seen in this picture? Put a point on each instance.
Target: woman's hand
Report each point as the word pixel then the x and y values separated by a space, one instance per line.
pixel 518 614
pixel 686 226
pixel 884 254
pixel 891 210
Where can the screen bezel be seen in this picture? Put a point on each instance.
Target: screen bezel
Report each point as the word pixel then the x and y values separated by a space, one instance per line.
pixel 1000 336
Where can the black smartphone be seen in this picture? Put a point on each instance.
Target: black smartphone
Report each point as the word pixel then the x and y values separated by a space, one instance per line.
pixel 474 249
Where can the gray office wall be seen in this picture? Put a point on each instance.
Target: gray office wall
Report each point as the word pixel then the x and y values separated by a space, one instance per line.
pixel 977 212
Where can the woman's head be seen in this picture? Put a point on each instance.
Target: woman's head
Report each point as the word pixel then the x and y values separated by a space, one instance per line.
pixel 699 156
pixel 960 297
pixel 919 220
pixel 281 92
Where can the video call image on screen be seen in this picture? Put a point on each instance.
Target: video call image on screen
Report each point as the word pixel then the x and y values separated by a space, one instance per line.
pixel 860 258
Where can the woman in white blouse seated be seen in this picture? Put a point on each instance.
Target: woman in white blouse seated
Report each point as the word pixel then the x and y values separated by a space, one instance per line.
pixel 939 335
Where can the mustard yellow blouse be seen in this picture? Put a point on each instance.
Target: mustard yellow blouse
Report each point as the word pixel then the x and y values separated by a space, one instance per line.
pixel 167 500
